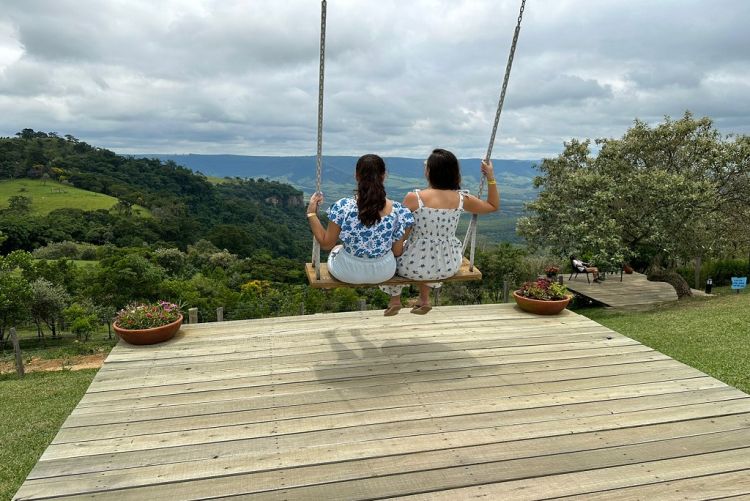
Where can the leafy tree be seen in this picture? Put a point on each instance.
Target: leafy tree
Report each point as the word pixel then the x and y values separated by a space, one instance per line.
pixel 105 315
pixel 661 192
pixel 128 278
pixel 19 204
pixel 173 260
pixel 17 260
pixel 47 304
pixel 82 319
pixel 15 297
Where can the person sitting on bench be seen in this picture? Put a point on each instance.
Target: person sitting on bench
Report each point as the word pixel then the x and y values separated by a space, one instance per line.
pixel 583 267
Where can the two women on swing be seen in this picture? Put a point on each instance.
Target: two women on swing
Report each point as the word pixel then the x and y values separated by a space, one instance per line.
pixel 415 239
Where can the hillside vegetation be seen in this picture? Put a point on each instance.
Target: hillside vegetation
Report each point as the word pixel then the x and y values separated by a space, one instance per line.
pixel 515 180
pixel 245 216
pixel 47 196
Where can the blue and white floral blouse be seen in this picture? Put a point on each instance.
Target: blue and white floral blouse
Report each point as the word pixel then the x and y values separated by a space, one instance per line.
pixel 369 241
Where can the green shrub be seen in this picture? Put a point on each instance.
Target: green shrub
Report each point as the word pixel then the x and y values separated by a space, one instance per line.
pixel 88 252
pixel 720 271
pixel 58 250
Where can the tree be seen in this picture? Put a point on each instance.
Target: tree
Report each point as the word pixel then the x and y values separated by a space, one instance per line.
pixel 659 194
pixel 123 207
pixel 19 204
pixel 82 318
pixel 47 304
pixel 128 278
pixel 15 296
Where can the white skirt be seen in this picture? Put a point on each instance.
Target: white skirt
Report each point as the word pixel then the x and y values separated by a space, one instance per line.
pixel 361 270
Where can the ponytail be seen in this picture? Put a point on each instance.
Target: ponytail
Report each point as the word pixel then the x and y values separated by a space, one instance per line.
pixel 370 189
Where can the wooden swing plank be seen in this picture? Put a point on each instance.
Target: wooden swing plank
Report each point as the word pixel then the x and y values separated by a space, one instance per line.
pixel 327 281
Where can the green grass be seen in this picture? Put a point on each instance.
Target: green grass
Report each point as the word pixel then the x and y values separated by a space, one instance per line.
pixel 78 263
pixel 32 410
pixel 219 180
pixel 64 346
pixel 51 195
pixel 710 334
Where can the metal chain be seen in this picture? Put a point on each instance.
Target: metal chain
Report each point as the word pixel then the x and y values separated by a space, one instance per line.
pixel 319 165
pixel 471 233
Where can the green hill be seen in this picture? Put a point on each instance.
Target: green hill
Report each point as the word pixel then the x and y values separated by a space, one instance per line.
pixel 50 195
pixel 246 217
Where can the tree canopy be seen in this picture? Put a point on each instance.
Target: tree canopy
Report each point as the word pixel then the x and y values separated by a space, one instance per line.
pixel 185 205
pixel 665 192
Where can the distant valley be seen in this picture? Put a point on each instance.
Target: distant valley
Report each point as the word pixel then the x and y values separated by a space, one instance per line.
pixel 515 179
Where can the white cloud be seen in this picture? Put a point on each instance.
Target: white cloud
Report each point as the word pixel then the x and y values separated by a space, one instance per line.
pixel 233 76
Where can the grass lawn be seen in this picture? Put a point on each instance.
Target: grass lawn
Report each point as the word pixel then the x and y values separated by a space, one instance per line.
pixel 66 345
pixel 46 197
pixel 32 410
pixel 711 334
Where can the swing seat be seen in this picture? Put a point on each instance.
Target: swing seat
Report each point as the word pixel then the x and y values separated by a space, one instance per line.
pixel 327 281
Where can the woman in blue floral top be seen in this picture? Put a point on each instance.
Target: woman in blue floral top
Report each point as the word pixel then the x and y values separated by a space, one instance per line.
pixel 371 227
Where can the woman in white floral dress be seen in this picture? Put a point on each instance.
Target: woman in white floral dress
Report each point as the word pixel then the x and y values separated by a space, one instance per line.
pixel 432 251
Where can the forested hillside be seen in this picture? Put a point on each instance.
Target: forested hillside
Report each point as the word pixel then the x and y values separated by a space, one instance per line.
pixel 244 216
pixel 515 180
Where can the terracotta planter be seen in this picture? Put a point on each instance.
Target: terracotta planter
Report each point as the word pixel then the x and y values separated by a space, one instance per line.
pixel 149 336
pixel 540 307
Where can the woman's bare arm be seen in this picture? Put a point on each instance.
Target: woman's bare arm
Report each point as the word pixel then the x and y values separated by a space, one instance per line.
pixel 475 205
pixel 326 237
pixel 398 245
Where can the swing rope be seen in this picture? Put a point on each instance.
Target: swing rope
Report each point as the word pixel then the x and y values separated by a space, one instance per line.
pixel 471 232
pixel 319 165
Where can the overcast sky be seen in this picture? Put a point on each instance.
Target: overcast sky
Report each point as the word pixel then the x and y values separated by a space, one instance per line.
pixel 226 76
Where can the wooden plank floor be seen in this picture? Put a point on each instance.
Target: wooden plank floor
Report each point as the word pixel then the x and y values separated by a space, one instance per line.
pixel 634 291
pixel 466 402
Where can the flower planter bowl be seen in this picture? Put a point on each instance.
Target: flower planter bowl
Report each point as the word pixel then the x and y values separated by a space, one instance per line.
pixel 539 306
pixel 149 336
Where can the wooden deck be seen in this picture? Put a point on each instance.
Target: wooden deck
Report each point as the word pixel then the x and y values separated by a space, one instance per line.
pixel 467 402
pixel 635 291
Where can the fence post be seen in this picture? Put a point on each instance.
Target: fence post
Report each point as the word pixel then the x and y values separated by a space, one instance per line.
pixel 362 304
pixel 17 350
pixel 302 309
pixel 437 295
pixel 220 314
pixel 505 291
pixel 193 315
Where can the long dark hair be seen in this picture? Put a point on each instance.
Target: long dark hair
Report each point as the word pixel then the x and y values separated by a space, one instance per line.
pixel 370 189
pixel 443 171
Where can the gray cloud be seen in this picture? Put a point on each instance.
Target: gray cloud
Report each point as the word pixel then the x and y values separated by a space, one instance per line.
pixel 401 77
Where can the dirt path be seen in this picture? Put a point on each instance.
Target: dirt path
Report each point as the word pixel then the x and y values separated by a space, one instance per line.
pixel 57 364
